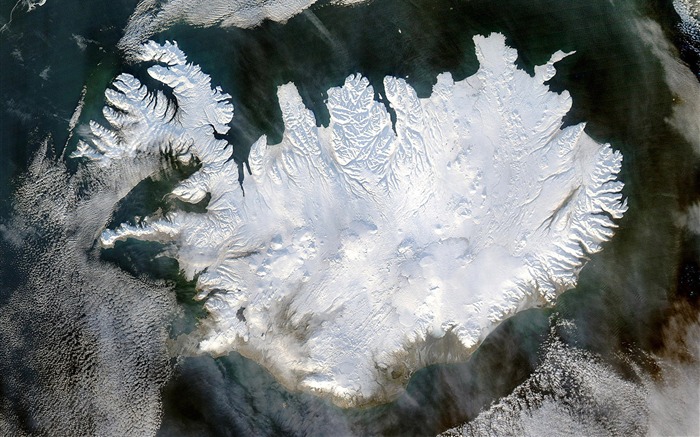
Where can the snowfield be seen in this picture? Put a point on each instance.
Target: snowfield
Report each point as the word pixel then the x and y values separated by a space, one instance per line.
pixel 357 246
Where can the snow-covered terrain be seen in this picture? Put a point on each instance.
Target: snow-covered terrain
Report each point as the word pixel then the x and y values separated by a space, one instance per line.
pixel 357 244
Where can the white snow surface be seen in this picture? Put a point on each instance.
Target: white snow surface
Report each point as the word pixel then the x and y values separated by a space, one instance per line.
pixel 144 121
pixel 356 243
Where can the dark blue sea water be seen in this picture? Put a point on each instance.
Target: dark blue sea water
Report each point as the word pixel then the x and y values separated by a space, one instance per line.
pixel 48 55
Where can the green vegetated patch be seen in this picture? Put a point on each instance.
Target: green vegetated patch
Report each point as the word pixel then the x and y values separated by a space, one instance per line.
pixel 154 260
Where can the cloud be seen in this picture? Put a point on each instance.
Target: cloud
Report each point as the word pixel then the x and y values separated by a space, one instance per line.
pixel 153 16
pixel 82 343
pixel 680 80
pixel 573 392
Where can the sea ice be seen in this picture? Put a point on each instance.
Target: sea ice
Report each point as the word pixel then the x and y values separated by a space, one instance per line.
pixel 357 244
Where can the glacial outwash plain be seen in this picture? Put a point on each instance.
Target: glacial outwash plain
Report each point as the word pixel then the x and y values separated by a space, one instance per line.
pixel 353 254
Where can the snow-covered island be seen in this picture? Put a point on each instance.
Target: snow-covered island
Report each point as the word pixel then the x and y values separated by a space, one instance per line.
pixel 362 251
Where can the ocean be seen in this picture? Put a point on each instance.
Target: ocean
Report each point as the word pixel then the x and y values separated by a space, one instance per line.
pixel 625 294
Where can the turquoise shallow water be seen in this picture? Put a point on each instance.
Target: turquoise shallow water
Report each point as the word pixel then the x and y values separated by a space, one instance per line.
pixel 617 86
pixel 72 46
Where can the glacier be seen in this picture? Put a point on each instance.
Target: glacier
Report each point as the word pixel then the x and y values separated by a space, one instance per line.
pixel 351 250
